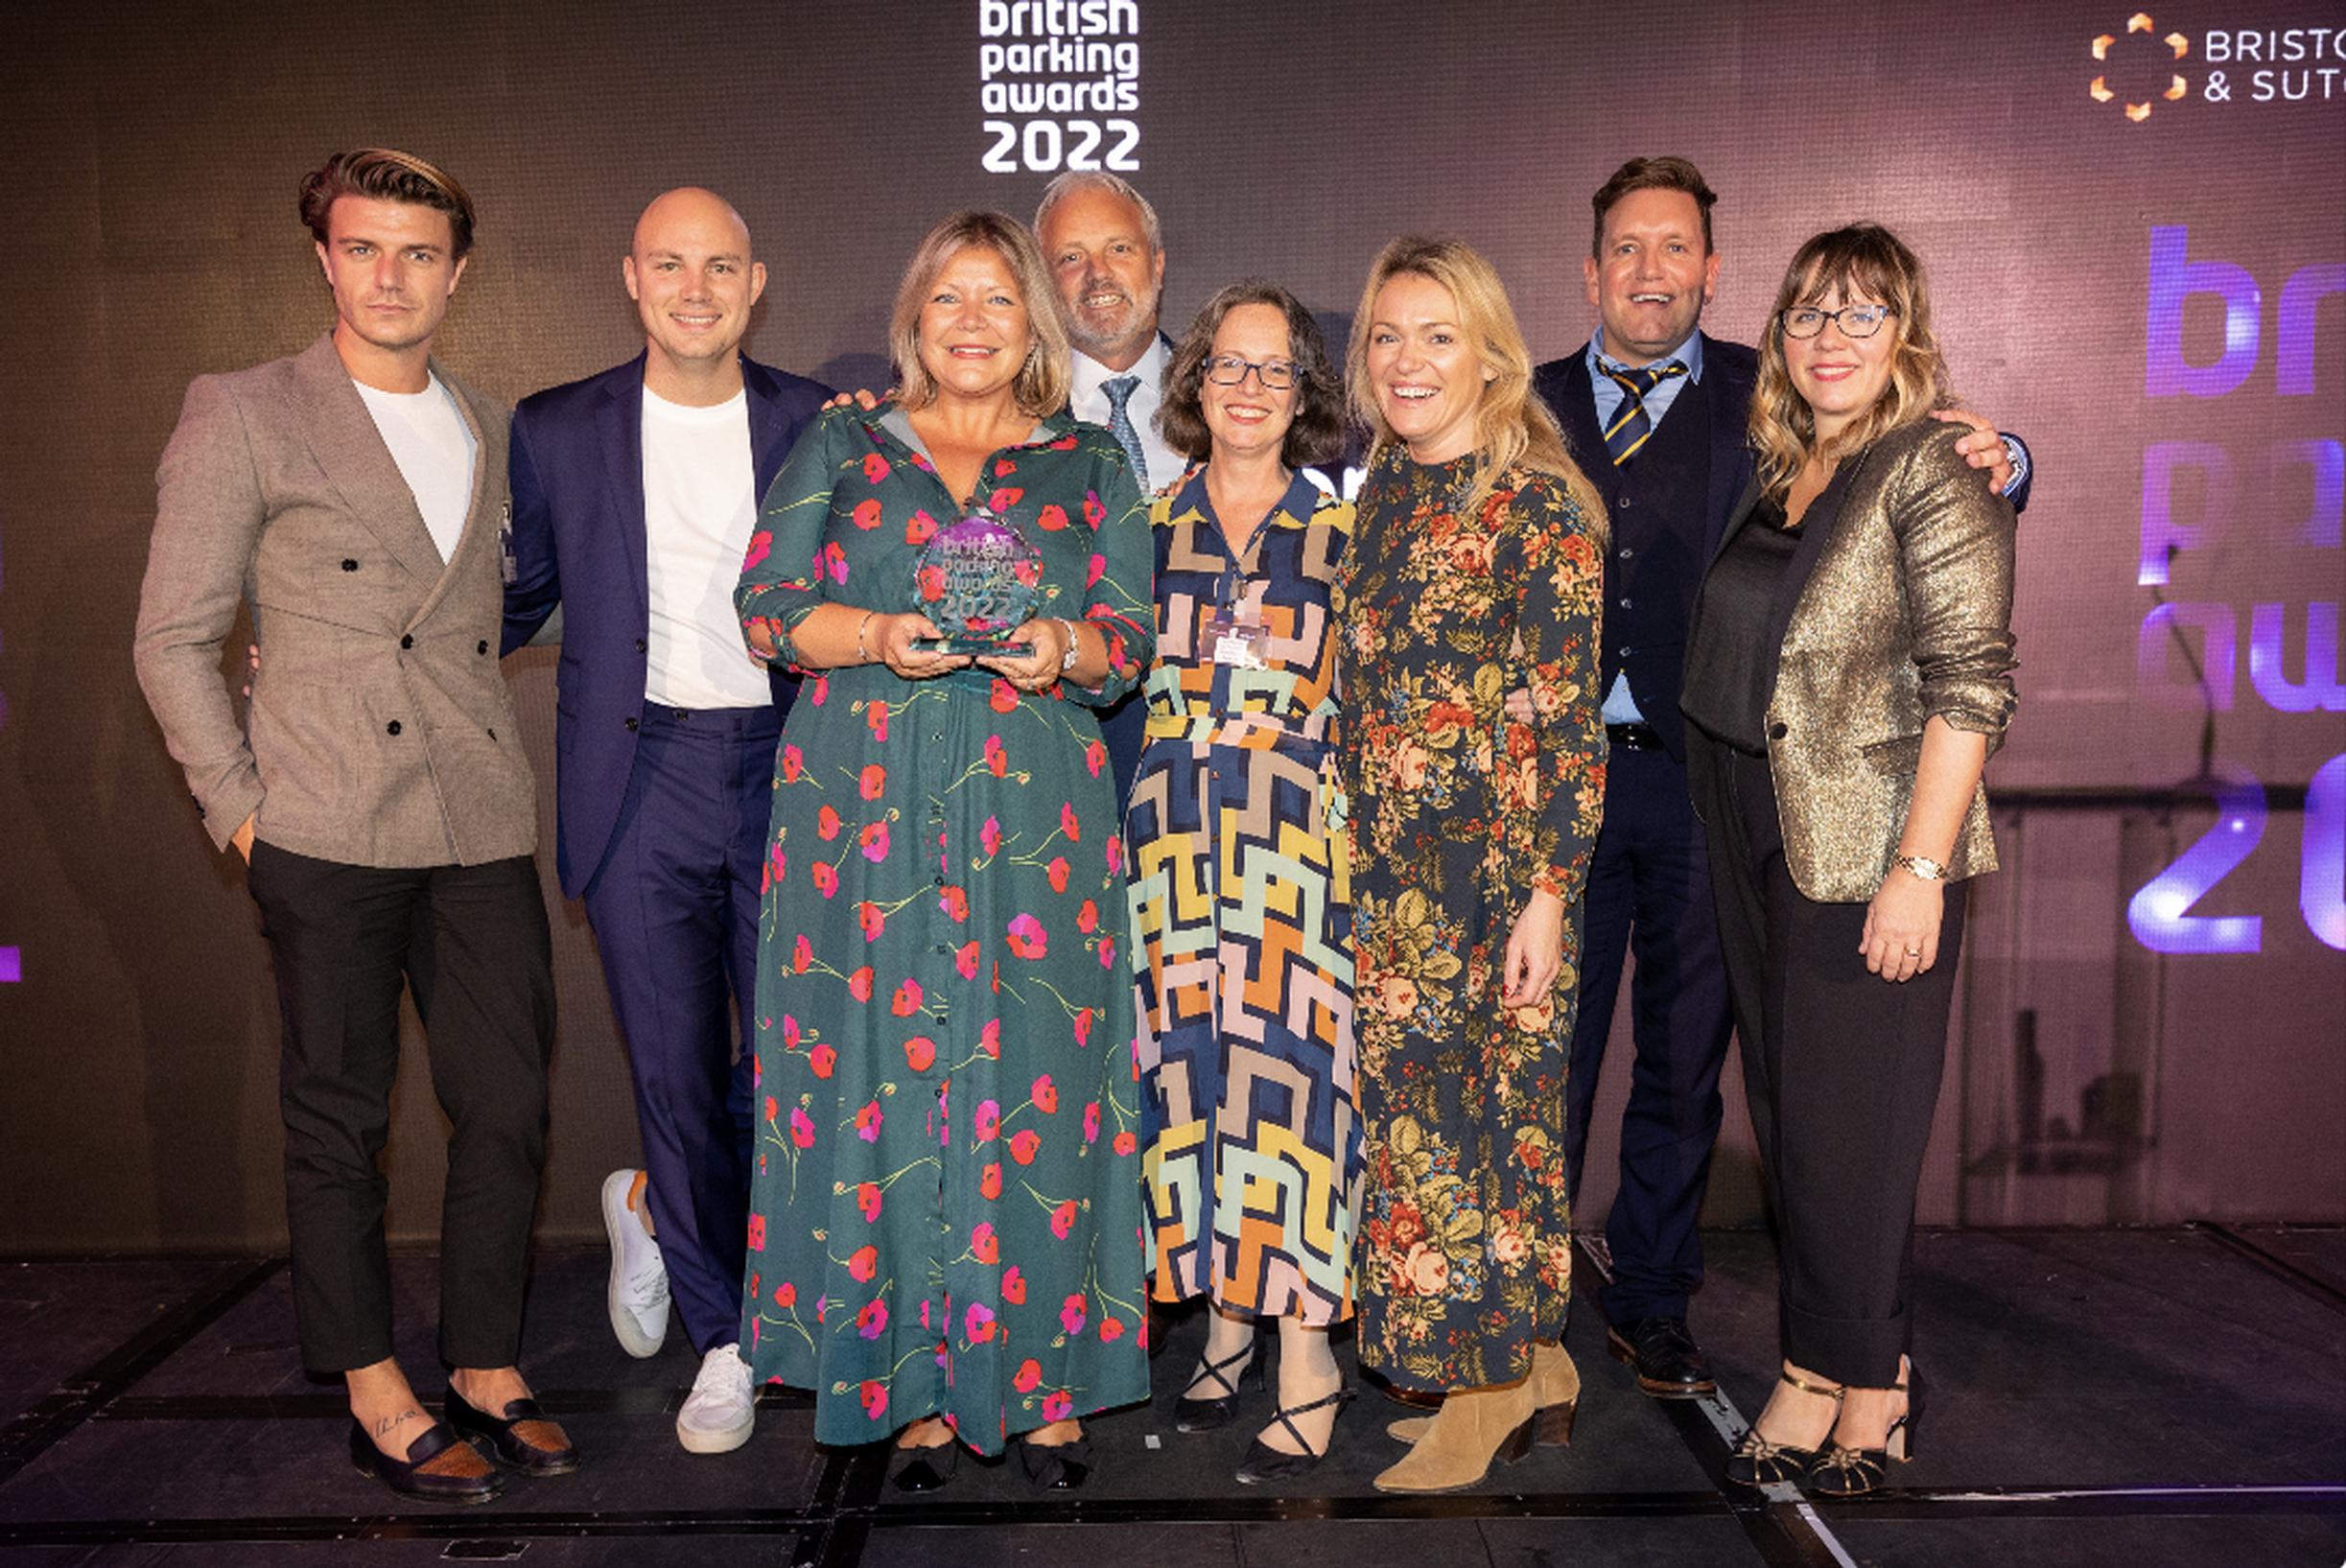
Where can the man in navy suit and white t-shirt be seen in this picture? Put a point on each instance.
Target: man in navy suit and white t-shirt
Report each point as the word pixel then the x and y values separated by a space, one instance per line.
pixel 633 494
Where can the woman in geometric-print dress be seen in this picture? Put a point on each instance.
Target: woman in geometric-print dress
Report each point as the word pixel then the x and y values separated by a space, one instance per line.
pixel 1240 903
pixel 945 1208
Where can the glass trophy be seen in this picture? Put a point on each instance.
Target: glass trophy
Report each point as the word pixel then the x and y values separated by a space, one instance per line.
pixel 977 580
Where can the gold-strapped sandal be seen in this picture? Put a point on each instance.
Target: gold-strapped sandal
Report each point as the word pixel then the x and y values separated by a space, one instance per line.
pixel 1853 1472
pixel 1758 1462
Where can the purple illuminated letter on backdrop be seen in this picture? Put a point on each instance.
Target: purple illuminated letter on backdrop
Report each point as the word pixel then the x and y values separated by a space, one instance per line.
pixel 2175 278
pixel 2160 914
pixel 2321 893
pixel 2301 298
pixel 2164 536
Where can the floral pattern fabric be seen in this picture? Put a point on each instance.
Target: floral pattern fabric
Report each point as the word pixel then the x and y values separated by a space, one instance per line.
pixel 1457 814
pixel 1241 908
pixel 945 1212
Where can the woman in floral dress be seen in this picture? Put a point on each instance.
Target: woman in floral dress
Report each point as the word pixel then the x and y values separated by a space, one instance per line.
pixel 945 1209
pixel 1474 572
pixel 1241 904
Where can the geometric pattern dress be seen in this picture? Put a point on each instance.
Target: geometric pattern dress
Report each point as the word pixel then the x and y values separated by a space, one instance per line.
pixel 945 1212
pixel 1241 909
pixel 1458 813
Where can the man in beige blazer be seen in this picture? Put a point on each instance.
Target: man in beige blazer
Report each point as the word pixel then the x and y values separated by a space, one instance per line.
pixel 378 790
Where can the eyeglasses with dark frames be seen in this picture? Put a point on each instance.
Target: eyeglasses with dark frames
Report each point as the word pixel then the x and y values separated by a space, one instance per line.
pixel 1230 370
pixel 1854 321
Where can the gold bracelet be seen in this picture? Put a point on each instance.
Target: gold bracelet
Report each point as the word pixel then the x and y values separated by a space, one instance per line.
pixel 861 657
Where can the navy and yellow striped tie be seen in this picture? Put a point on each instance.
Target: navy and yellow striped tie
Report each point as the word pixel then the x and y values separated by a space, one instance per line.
pixel 1630 427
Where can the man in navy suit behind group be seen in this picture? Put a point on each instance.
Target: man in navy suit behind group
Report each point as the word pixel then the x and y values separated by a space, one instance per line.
pixel 633 496
pixel 1657 412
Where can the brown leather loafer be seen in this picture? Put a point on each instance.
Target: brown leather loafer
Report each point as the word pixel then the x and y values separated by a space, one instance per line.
pixel 409 1477
pixel 523 1439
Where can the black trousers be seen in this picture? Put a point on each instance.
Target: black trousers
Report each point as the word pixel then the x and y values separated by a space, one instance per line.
pixel 1841 1070
pixel 471 944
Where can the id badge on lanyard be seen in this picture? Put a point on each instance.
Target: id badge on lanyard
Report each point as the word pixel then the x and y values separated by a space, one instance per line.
pixel 1237 638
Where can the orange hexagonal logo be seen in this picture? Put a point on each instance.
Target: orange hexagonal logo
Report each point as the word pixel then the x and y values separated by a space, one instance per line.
pixel 2174 89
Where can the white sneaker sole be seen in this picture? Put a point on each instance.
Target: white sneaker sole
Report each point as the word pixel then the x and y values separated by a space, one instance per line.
pixel 615 1213
pixel 695 1440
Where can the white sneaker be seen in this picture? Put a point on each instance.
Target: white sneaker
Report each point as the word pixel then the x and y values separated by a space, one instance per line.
pixel 637 1294
pixel 717 1417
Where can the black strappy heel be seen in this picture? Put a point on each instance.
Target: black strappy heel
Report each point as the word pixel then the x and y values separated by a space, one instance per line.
pixel 1264 1463
pixel 1205 1415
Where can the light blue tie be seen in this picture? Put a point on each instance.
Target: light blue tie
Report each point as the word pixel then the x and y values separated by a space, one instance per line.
pixel 1119 391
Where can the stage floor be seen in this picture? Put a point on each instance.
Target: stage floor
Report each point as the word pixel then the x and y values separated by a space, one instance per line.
pixel 2138 1399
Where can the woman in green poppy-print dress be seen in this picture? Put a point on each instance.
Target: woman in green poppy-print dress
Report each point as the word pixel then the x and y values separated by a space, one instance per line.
pixel 944 1205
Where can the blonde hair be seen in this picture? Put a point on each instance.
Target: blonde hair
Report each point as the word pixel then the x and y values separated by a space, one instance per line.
pixel 1512 428
pixel 1044 381
pixel 1863 259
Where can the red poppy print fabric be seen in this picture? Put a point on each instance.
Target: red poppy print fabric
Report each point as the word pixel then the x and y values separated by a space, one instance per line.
pixel 945 1209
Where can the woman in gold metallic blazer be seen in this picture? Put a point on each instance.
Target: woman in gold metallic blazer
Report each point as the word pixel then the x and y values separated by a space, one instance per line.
pixel 1848 672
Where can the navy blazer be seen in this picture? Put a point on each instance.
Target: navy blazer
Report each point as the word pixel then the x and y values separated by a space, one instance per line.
pixel 579 542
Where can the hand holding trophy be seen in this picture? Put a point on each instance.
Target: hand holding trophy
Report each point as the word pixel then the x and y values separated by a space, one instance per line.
pixel 976 581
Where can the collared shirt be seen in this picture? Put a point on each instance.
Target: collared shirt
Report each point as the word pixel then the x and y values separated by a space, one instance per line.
pixel 1609 392
pixel 1088 401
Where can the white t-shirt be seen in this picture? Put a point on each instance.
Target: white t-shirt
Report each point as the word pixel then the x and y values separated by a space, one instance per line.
pixel 700 506
pixel 435 450
pixel 1089 402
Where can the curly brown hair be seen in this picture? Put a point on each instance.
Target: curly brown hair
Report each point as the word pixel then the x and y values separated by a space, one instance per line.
pixel 1317 433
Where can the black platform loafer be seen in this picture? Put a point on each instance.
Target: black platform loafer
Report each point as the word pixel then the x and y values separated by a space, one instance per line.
pixel 508 1442
pixel 1668 1361
pixel 408 1476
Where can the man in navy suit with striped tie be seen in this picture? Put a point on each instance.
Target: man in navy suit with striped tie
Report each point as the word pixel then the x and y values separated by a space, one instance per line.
pixel 1655 410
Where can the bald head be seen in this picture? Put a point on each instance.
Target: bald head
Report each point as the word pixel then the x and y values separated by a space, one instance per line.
pixel 689 211
pixel 694 280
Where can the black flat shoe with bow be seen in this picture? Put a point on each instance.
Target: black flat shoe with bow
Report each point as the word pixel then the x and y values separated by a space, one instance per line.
pixel 926 1469
pixel 1056 1467
pixel 507 1442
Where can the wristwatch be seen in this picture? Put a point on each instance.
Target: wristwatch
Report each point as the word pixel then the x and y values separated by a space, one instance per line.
pixel 1922 866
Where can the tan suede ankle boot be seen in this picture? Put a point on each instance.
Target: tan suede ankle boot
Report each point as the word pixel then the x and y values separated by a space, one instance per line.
pixel 1555 1386
pixel 1473 1427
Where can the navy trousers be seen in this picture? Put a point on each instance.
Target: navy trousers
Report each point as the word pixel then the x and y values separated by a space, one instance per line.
pixel 675 907
pixel 1650 894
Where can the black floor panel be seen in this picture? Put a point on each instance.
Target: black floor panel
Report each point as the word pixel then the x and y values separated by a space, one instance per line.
pixel 2076 1381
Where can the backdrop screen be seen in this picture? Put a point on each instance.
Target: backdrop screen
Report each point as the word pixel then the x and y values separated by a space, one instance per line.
pixel 2136 240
